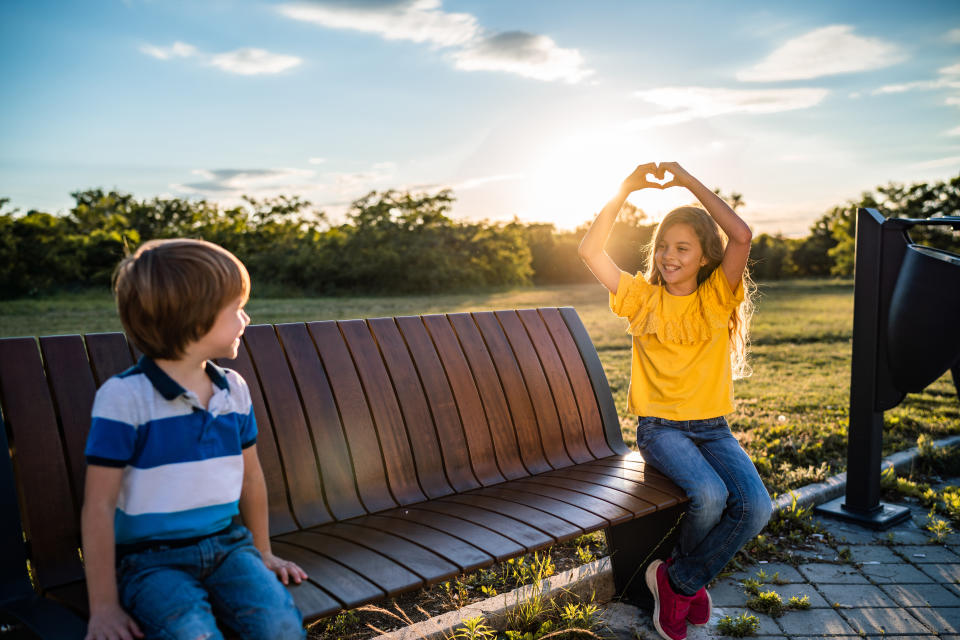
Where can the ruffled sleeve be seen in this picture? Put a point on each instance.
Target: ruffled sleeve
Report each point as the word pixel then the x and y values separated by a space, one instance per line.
pixel 718 298
pixel 632 293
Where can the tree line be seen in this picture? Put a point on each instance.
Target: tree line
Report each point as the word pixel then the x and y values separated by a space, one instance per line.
pixel 399 242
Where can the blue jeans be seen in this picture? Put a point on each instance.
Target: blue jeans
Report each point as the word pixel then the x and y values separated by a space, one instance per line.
pixel 175 592
pixel 728 503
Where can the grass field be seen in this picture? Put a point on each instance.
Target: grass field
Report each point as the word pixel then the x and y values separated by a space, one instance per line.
pixel 791 414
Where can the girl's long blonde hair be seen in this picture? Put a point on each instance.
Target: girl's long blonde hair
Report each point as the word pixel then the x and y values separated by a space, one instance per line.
pixel 713 243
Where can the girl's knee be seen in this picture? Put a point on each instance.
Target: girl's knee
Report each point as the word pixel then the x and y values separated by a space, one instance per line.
pixel 708 500
pixel 759 511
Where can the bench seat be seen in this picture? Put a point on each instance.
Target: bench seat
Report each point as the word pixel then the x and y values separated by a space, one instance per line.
pixel 398 452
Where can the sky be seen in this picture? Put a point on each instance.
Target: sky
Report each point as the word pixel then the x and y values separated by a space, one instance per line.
pixel 528 109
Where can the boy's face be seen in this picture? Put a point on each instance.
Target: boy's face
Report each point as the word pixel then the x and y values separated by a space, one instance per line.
pixel 223 339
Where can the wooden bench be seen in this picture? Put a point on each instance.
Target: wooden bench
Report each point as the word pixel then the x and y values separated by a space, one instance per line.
pixel 398 453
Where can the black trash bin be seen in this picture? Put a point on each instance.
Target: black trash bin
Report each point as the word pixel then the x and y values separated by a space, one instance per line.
pixel 923 331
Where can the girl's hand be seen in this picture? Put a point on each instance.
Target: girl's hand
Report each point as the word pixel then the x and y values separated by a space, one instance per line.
pixel 284 569
pixel 111 623
pixel 638 179
pixel 681 178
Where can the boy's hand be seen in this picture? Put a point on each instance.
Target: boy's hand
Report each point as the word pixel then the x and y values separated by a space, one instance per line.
pixel 111 623
pixel 681 178
pixel 638 179
pixel 284 569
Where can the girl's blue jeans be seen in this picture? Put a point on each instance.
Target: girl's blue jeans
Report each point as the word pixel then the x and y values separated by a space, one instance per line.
pixel 728 503
pixel 175 592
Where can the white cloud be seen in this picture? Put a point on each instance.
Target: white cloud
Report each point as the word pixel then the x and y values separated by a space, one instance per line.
pixel 473 183
pixel 952 161
pixel 414 20
pixel 176 50
pixel 424 21
pixel 246 61
pixel 953 132
pixel 953 35
pixel 251 61
pixel 525 54
pixel 316 160
pixel 822 52
pixel 949 78
pixel 223 183
pixel 690 103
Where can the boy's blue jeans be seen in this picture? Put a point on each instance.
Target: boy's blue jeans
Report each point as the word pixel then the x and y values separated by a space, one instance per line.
pixel 175 592
pixel 728 502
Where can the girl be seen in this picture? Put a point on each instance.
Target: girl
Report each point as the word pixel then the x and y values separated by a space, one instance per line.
pixel 689 320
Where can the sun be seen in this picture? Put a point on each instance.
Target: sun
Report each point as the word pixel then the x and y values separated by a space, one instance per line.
pixel 573 177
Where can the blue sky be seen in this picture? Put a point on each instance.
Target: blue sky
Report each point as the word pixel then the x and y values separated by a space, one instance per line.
pixel 529 109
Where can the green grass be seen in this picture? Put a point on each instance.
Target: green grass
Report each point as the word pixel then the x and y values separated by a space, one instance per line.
pixel 791 414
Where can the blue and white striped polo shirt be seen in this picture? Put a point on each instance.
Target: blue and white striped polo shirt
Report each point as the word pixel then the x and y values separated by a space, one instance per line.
pixel 182 462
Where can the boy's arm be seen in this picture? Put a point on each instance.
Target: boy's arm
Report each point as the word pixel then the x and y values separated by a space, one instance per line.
pixel 107 618
pixel 738 233
pixel 253 510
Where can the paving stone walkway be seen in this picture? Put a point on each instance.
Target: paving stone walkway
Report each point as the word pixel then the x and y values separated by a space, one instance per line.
pixel 898 584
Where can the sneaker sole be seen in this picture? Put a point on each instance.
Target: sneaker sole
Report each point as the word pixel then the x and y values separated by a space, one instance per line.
pixel 709 610
pixel 650 576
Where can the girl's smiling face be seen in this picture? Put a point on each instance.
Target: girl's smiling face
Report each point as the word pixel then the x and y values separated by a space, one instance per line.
pixel 678 257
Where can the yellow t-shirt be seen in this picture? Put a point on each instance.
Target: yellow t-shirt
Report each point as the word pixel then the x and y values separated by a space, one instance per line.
pixel 680 368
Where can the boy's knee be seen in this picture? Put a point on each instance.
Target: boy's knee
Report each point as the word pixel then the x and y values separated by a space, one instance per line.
pixel 284 623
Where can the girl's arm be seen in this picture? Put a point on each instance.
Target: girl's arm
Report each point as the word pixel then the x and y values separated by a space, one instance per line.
pixel 738 233
pixel 592 246
pixel 253 510
pixel 107 619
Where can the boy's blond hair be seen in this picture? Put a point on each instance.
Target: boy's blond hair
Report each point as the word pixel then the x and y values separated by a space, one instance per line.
pixel 169 293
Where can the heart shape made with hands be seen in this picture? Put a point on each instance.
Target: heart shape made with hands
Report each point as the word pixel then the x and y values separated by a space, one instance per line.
pixel 660 179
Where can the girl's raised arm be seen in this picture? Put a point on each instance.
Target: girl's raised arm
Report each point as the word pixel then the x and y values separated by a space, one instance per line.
pixel 592 246
pixel 738 233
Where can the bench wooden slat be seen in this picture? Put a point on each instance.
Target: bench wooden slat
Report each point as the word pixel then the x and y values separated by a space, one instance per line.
pixel 493 455
pixel 312 601
pixel 278 502
pixel 558 445
pixel 529 537
pixel 538 456
pixel 51 516
pixel 638 506
pixel 563 394
pixel 646 475
pixel 602 508
pixel 348 587
pixel 358 427
pixel 579 379
pixel 382 401
pixel 376 568
pixel 283 405
pixel 320 409
pixel 575 515
pixel 109 355
pixel 71 380
pixel 487 541
pixel 438 397
pixel 423 562
pixel 495 404
pixel 555 527
pixel 415 419
pixel 456 551
pixel 639 490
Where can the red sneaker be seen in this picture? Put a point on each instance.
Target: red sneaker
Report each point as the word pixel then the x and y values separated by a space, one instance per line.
pixel 700 607
pixel 670 609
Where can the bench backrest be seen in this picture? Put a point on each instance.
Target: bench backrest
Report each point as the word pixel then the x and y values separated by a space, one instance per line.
pixel 355 416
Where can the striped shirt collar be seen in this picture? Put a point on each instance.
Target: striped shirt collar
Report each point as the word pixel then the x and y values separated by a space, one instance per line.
pixel 170 388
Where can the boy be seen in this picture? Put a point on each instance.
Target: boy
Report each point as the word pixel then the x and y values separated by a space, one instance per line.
pixel 172 459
